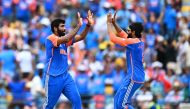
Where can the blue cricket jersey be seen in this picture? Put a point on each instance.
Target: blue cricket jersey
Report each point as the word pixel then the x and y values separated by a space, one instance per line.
pixel 134 54
pixel 56 56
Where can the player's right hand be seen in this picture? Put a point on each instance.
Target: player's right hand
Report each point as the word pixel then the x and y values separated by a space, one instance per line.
pixel 109 17
pixel 79 19
pixel 90 18
pixel 114 17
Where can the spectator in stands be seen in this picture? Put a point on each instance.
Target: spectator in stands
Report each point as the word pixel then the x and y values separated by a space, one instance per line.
pixel 17 88
pixel 170 21
pixel 118 73
pixel 8 62
pixel 37 85
pixel 3 95
pixel 26 71
pixel 175 96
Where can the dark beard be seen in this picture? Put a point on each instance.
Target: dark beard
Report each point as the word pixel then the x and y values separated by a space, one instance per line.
pixel 60 33
pixel 129 35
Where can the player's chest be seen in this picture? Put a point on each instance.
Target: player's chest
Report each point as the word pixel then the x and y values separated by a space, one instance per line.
pixel 61 50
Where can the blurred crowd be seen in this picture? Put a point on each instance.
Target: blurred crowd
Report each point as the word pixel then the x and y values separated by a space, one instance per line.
pixel 96 64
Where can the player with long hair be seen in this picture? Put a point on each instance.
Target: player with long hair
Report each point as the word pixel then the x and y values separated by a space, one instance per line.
pixel 132 40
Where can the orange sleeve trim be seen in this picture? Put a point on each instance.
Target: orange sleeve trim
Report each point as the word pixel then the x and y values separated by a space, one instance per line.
pixel 53 39
pixel 117 40
pixel 122 34
pixel 70 43
pixel 122 41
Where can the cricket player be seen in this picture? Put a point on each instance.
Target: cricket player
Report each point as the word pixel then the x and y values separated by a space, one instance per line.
pixel 57 80
pixel 132 40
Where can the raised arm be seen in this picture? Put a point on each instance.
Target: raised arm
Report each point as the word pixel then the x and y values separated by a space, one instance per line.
pixel 118 40
pixel 113 37
pixel 85 31
pixel 68 37
pixel 119 31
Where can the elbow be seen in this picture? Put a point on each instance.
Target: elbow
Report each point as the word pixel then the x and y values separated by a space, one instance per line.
pixel 111 35
pixel 82 36
pixel 66 40
pixel 112 40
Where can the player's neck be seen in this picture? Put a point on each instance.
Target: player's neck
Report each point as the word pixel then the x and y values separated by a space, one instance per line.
pixel 134 36
pixel 55 33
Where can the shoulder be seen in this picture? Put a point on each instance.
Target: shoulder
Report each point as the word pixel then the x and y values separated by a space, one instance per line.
pixel 52 37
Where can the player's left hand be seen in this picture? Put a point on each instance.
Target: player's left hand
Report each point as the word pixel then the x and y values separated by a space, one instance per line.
pixel 114 17
pixel 109 17
pixel 79 19
pixel 90 18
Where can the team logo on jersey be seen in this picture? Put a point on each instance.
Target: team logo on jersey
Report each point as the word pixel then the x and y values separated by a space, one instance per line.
pixel 141 46
pixel 62 51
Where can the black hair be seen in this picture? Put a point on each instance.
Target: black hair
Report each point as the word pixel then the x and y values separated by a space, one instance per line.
pixel 138 28
pixel 16 77
pixel 55 23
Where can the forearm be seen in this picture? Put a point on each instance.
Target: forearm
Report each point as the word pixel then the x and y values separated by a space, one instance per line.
pixel 69 36
pixel 110 32
pixel 119 31
pixel 117 28
pixel 114 38
pixel 83 34
pixel 85 31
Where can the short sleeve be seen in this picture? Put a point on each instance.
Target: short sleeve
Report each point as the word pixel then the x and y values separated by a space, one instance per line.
pixel 53 39
pixel 49 45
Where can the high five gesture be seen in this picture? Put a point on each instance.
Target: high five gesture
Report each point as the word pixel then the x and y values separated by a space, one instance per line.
pixel 79 19
pixel 90 22
pixel 90 18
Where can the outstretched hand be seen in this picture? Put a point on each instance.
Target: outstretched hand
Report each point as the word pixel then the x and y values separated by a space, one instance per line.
pixel 114 17
pixel 79 19
pixel 90 18
pixel 109 17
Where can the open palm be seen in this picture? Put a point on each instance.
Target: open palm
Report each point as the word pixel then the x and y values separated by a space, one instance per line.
pixel 114 17
pixel 79 19
pixel 109 17
pixel 90 18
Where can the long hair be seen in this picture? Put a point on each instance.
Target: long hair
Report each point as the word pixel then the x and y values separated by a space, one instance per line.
pixel 138 28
